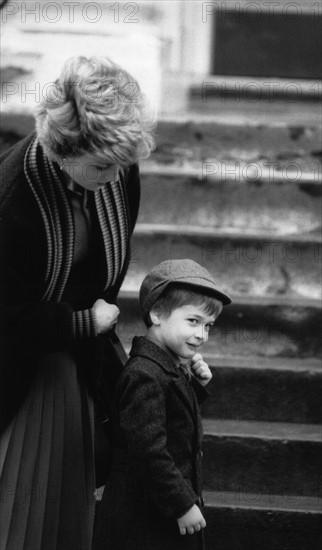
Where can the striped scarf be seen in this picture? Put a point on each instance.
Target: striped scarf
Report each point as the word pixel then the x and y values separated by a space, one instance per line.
pixel 56 211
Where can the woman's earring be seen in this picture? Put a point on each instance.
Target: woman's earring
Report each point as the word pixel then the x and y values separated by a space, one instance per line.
pixel 62 164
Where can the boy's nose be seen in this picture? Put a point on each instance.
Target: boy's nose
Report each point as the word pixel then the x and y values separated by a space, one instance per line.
pixel 201 333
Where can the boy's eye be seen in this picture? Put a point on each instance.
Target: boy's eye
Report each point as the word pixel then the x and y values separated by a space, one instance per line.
pixel 194 321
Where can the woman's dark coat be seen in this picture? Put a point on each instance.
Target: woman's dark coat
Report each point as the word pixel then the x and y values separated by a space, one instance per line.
pixel 52 362
pixel 156 476
pixel 29 327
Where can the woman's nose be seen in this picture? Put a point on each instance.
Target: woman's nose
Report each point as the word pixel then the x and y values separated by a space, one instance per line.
pixel 112 173
pixel 108 174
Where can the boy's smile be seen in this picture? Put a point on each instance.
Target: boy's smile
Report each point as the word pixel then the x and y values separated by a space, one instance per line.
pixel 184 331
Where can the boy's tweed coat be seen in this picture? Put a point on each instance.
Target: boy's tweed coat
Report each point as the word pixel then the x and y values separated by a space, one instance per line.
pixel 156 473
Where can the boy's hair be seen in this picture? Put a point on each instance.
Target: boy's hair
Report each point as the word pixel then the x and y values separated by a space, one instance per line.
pixel 178 295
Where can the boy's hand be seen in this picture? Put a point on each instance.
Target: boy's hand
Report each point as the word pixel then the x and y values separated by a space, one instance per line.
pixel 192 521
pixel 200 369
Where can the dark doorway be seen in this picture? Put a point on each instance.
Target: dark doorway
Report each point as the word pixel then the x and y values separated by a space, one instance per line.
pixel 285 45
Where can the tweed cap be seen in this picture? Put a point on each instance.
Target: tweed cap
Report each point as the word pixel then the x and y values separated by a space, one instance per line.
pixel 185 271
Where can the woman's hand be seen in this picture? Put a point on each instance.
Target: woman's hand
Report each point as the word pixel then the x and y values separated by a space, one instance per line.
pixel 200 369
pixel 192 521
pixel 106 315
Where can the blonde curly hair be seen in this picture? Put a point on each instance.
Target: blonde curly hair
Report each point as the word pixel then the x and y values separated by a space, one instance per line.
pixel 96 107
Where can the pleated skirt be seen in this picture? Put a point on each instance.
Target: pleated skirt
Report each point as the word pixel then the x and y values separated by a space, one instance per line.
pixel 47 464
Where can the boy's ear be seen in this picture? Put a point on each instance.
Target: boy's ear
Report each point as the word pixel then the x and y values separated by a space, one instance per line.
pixel 155 316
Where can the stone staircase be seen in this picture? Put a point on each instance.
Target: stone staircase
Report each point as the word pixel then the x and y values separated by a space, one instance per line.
pixel 242 196
pixel 235 184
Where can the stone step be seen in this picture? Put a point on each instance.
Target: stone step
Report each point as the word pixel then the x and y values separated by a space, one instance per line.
pixel 199 137
pixel 246 521
pixel 257 101
pixel 220 148
pixel 252 326
pixel 265 90
pixel 259 112
pixel 249 521
pixel 230 198
pixel 262 457
pixel 257 389
pixel 254 263
pixel 264 390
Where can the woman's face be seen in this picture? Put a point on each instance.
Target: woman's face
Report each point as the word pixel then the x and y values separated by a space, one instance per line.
pixel 89 172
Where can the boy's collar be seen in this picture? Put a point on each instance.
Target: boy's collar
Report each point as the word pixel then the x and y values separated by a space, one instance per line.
pixel 179 363
pixel 144 346
pixel 173 356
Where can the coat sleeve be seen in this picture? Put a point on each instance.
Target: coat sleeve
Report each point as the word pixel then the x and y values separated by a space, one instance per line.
pixel 201 392
pixel 37 325
pixel 143 425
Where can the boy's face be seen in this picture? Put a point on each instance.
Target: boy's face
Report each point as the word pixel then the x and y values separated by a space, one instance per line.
pixel 184 331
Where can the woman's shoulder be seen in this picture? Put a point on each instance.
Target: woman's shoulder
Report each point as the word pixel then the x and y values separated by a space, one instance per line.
pixel 17 150
pixel 12 170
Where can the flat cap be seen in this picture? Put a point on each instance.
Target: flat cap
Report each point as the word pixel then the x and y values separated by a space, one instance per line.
pixel 184 271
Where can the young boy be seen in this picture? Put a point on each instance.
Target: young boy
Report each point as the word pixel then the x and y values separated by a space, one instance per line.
pixel 152 500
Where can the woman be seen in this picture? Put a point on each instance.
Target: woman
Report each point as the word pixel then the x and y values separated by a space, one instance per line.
pixel 69 202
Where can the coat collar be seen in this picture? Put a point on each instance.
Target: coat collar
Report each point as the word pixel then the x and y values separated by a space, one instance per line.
pixel 143 347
